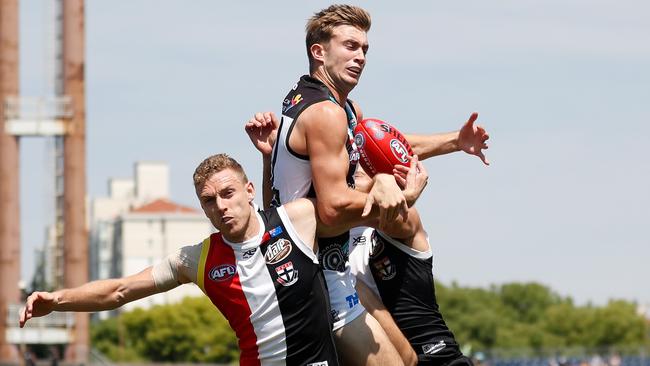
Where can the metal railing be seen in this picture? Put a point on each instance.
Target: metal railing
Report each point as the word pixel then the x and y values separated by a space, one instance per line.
pixel 38 108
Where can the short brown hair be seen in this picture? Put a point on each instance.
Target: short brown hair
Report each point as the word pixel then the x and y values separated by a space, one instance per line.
pixel 320 26
pixel 215 164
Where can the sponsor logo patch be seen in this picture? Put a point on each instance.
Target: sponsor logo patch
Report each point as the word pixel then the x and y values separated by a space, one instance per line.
pixel 333 259
pixel 359 140
pixel 385 268
pixel 278 251
pixel 430 349
pixel 352 300
pixel 287 275
pixel 222 273
pixel 288 104
pixel 359 240
pixel 249 253
pixel 319 363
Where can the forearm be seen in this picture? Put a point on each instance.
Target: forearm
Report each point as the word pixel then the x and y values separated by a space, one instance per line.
pixel 342 223
pixel 106 294
pixel 343 209
pixel 94 296
pixel 267 193
pixel 426 146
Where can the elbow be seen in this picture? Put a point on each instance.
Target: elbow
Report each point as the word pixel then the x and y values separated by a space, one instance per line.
pixel 331 211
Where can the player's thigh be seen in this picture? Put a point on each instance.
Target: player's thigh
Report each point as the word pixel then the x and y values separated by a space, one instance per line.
pixel 363 342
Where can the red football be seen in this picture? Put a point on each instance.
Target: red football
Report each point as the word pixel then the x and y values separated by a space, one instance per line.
pixel 381 146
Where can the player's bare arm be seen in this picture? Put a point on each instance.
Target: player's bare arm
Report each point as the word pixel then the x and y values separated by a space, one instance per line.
pixel 94 296
pixel 324 127
pixel 470 139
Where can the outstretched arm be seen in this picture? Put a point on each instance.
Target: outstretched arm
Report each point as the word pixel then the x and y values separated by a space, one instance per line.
pixel 470 139
pixel 94 296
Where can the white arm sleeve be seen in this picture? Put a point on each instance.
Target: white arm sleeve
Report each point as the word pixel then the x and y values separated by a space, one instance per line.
pixel 177 268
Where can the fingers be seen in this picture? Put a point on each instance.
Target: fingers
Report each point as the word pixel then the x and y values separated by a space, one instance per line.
pixel 368 207
pixel 400 172
pixel 483 158
pixel 261 119
pixel 481 131
pixel 274 119
pixel 473 117
pixel 401 169
pixel 400 179
pixel 22 316
pixel 404 211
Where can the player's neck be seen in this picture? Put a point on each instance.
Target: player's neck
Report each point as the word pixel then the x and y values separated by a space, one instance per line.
pixel 340 93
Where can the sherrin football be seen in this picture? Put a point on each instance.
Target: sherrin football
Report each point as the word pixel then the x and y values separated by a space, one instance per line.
pixel 381 146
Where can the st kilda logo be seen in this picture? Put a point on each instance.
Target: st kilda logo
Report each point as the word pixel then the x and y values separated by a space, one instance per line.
pixel 222 273
pixel 277 251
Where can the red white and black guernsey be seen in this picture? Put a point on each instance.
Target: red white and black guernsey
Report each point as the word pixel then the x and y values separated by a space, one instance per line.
pixel 272 292
pixel 403 278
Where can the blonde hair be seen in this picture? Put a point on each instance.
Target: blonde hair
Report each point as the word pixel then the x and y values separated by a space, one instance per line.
pixel 215 164
pixel 320 27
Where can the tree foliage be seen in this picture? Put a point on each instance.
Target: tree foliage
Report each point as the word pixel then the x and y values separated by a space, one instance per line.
pixel 530 315
pixel 511 316
pixel 190 331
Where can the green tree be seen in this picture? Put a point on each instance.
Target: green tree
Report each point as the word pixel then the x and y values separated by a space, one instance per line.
pixel 190 331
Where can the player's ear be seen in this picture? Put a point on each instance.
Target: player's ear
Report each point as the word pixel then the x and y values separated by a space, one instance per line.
pixel 317 51
pixel 250 191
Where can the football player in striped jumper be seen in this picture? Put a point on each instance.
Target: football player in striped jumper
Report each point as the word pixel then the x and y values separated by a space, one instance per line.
pixel 260 270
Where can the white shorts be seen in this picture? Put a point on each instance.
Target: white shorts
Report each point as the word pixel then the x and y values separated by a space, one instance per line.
pixel 343 297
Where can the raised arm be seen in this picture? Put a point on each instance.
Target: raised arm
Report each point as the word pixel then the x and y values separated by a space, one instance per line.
pixel 470 139
pixel 94 296
pixel 262 129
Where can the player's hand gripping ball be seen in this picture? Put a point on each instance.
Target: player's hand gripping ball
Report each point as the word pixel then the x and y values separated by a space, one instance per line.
pixel 381 146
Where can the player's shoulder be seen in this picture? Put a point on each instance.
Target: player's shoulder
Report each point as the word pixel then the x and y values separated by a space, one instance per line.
pixel 300 208
pixel 323 114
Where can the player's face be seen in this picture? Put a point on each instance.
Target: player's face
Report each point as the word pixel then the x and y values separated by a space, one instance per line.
pixel 225 199
pixel 345 55
pixel 362 181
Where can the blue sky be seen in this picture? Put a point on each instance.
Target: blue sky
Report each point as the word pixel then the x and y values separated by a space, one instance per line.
pixel 562 87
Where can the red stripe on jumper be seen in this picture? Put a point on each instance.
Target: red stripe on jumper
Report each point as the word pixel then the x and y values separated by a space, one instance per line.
pixel 228 296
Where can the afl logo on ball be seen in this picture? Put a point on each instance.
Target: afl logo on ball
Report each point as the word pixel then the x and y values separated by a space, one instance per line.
pixel 278 251
pixel 399 151
pixel 222 273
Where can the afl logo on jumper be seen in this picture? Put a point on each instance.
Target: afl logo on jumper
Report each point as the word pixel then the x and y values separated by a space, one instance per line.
pixel 278 251
pixel 222 273
pixel 399 150
pixel 287 275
